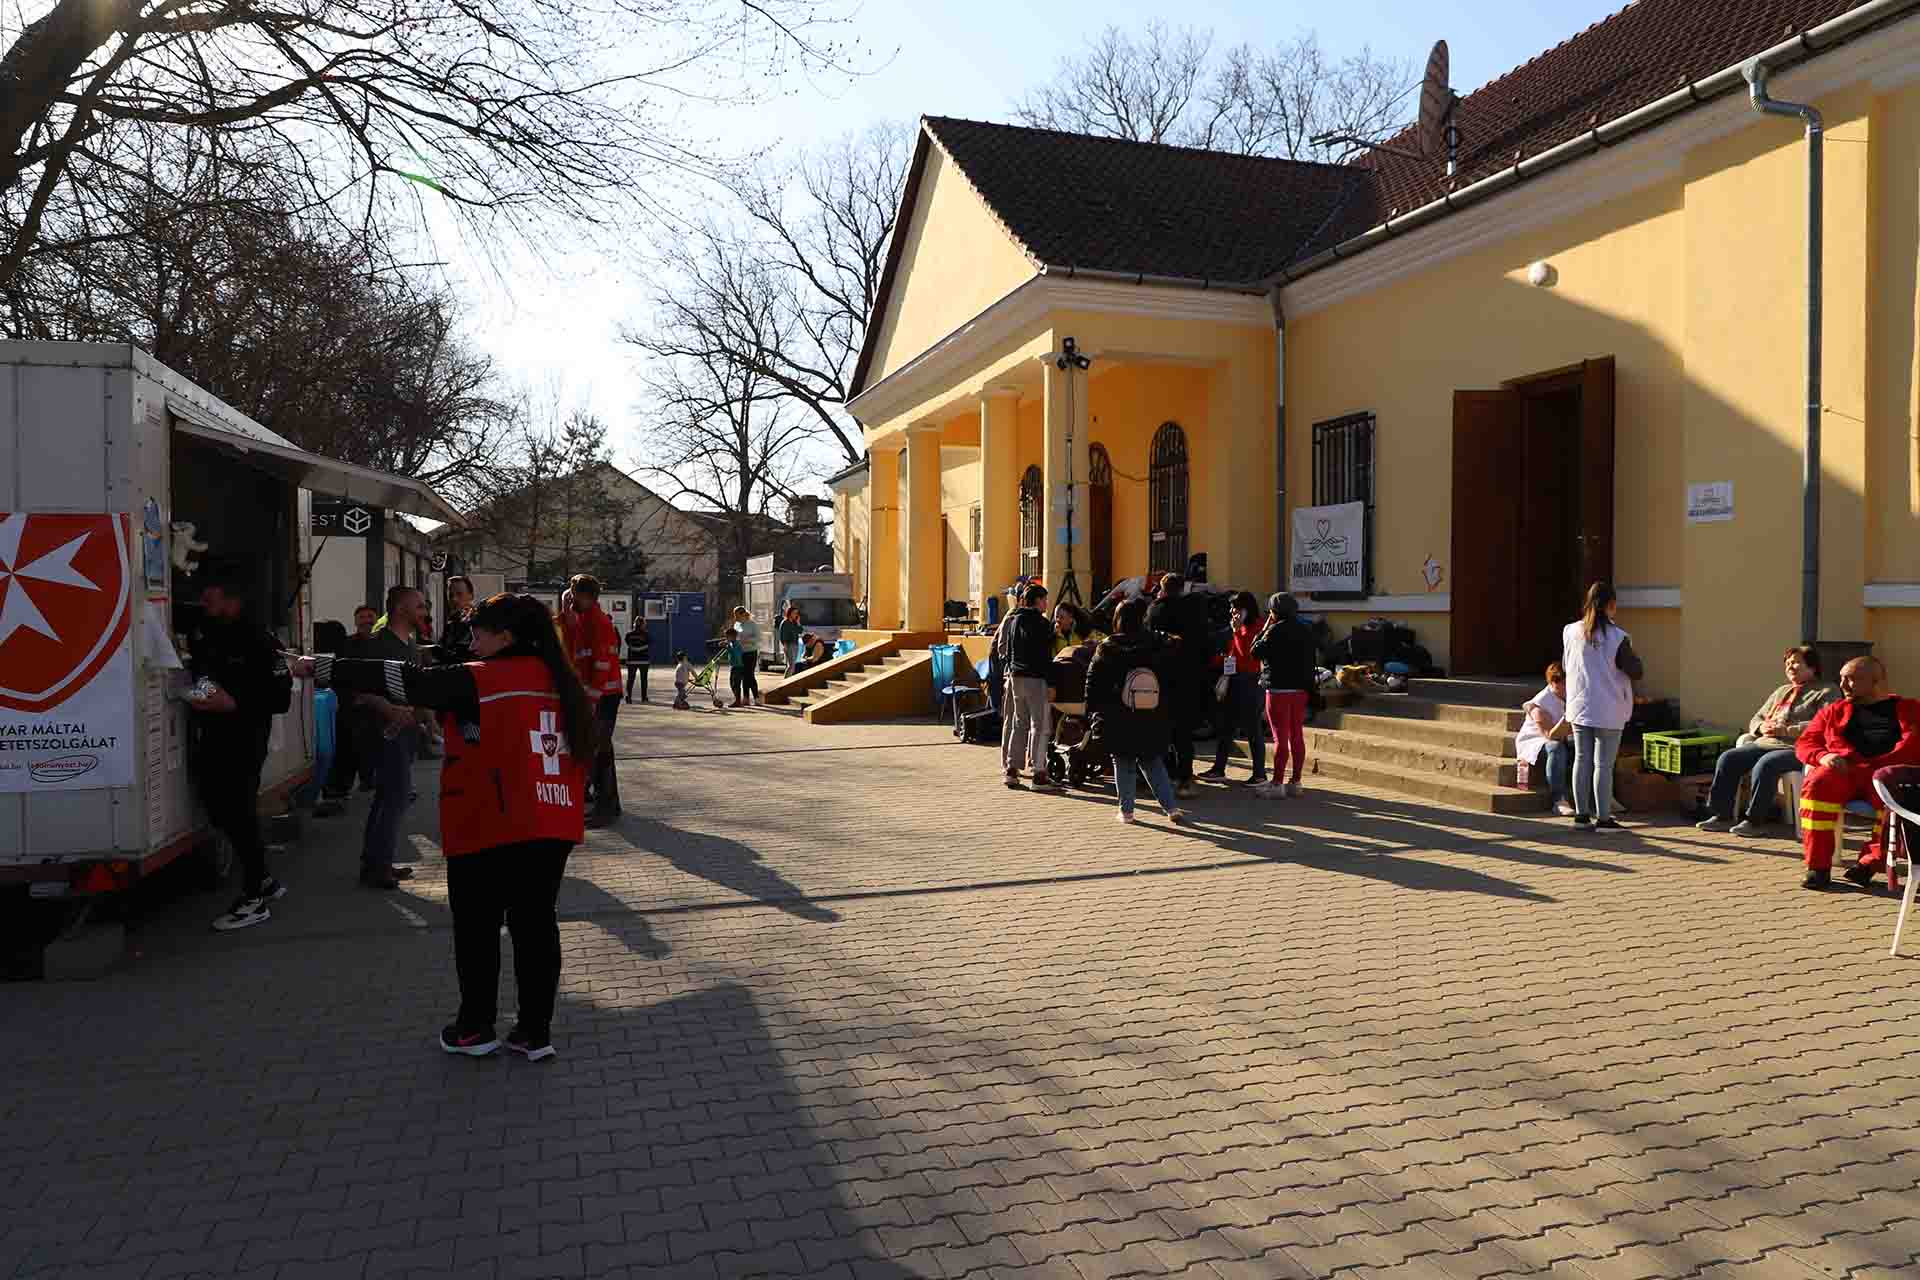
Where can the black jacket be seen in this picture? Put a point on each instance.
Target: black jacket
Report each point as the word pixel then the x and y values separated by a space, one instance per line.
pixel 1025 644
pixel 1285 650
pixel 1184 620
pixel 639 645
pixel 244 659
pixel 1143 735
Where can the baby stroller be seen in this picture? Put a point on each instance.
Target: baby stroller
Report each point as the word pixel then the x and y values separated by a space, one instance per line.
pixel 1075 755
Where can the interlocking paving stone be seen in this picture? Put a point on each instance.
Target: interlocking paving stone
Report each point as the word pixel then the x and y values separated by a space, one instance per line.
pixel 836 1004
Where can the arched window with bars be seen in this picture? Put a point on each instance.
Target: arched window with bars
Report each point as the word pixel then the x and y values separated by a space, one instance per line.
pixel 1032 523
pixel 1167 500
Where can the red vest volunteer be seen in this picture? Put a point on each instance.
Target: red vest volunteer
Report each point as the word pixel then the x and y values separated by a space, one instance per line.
pixel 520 731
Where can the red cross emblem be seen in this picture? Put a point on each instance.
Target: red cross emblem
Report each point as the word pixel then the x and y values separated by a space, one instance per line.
pixel 65 603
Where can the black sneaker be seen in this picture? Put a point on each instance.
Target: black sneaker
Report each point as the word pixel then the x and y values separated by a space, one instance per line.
pixel 1862 876
pixel 1582 820
pixel 246 912
pixel 1817 879
pixel 473 1044
pixel 529 1048
pixel 272 890
pixel 1212 775
pixel 1607 824
pixel 403 873
pixel 1013 781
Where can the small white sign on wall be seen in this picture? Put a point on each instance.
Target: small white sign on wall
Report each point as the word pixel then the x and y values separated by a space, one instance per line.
pixel 1710 503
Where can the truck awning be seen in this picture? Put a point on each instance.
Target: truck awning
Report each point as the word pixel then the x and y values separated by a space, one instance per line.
pixel 320 474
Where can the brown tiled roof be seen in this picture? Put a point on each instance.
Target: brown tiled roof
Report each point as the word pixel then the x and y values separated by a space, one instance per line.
pixel 1107 204
pixel 1641 54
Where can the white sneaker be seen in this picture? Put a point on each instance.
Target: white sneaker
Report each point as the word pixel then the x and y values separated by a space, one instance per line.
pixel 244 914
pixel 1564 809
pixel 1126 819
pixel 1751 830
pixel 1715 824
pixel 1293 789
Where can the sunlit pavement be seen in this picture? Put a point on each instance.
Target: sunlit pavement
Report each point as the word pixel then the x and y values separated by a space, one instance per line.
pixel 837 1003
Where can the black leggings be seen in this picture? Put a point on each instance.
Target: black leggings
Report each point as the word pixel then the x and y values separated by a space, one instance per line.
pixel 637 669
pixel 230 792
pixel 518 883
pixel 746 678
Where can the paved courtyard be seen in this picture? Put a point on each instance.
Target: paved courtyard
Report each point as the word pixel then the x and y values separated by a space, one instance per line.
pixel 836 1004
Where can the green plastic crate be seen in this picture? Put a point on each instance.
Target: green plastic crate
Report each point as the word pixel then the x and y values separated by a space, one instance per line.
pixel 1682 754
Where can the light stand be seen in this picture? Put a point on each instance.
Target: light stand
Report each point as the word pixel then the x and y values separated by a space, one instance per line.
pixel 1068 361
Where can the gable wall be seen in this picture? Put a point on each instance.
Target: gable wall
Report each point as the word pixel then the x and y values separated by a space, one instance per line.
pixel 956 261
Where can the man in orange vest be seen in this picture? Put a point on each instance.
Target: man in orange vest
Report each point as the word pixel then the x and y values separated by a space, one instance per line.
pixel 593 645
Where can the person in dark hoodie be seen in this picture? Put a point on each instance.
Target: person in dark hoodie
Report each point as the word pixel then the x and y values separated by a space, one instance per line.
pixel 1024 646
pixel 1126 694
pixel 1285 651
pixel 1181 615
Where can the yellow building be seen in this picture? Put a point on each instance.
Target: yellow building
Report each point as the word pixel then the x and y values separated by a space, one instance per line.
pixel 1527 371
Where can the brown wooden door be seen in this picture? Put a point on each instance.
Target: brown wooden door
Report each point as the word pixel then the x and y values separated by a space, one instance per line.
pixel 1488 478
pixel 1596 472
pixel 1100 519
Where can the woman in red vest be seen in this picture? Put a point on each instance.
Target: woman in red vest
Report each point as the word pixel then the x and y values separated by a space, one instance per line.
pixel 520 731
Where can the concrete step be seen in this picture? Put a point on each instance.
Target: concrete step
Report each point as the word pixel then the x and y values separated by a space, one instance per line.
pixel 1488 692
pixel 1419 784
pixel 1481 739
pixel 1417 756
pixel 1415 708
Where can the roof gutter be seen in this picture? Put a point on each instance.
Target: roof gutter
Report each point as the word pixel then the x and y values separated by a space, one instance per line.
pixel 1789 52
pixel 1257 288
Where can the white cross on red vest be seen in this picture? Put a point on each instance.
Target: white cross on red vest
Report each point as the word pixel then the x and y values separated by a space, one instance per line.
pixel 547 743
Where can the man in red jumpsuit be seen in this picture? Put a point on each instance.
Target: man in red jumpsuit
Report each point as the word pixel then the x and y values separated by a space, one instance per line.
pixel 1868 729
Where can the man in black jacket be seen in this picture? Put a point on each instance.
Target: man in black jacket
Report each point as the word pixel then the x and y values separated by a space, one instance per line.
pixel 232 720
pixel 1181 615
pixel 1024 645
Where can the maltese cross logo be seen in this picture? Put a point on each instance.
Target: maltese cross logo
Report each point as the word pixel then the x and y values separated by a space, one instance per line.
pixel 64 604
pixel 547 743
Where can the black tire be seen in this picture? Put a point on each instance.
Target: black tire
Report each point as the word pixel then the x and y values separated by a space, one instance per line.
pixel 1076 774
pixel 1056 768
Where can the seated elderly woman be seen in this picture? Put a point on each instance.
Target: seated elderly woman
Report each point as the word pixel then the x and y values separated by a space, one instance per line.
pixel 1765 751
pixel 1546 738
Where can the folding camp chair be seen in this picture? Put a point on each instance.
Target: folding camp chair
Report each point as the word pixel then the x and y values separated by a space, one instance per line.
pixel 957 694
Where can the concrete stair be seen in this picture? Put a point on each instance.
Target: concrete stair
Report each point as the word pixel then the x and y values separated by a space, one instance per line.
pixel 855 678
pixel 1449 741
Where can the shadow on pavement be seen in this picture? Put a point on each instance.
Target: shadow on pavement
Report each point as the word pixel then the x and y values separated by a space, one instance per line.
pixel 721 861
pixel 583 901
pixel 692 1143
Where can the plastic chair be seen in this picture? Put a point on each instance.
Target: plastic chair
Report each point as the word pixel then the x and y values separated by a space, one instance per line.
pixel 1791 784
pixel 1899 846
pixel 945 656
pixel 957 693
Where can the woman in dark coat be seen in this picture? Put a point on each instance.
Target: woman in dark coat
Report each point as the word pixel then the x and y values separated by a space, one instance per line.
pixel 1127 688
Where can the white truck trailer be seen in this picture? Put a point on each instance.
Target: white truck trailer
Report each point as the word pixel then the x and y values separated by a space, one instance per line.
pixel 826 602
pixel 116 475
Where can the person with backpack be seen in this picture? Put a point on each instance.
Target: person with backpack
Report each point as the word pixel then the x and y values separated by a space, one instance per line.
pixel 240 684
pixel 1131 716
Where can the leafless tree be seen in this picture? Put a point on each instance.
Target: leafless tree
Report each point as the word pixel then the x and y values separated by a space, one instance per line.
pixel 723 437
pixel 786 290
pixel 1167 85
pixel 319 335
pixel 502 108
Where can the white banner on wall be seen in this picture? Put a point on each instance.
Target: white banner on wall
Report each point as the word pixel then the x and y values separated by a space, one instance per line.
pixel 66 652
pixel 1328 548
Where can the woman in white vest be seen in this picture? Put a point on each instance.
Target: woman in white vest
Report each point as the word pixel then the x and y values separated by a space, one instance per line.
pixel 1601 668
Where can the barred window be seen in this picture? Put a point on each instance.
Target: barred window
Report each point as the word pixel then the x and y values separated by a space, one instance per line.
pixel 1031 521
pixel 1167 500
pixel 1343 472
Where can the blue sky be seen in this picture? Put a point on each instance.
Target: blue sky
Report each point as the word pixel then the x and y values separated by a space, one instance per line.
pixel 556 323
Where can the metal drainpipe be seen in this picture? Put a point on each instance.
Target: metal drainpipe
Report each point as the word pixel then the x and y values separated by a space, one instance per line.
pixel 1280 434
pixel 1756 74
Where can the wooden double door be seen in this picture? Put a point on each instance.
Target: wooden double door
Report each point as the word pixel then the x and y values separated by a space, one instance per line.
pixel 1532 515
